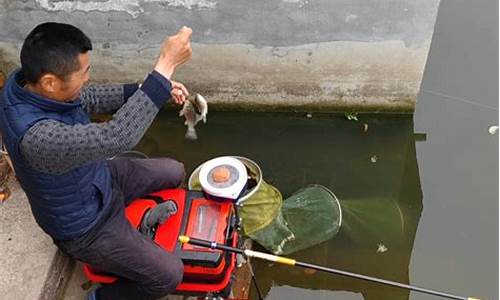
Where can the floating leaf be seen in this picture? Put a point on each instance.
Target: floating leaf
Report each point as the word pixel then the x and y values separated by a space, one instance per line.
pixel 351 116
pixel 493 130
pixel 365 127
pixel 381 248
pixel 86 285
pixel 4 194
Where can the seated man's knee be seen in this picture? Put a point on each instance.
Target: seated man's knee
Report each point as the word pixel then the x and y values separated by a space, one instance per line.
pixel 176 172
pixel 170 278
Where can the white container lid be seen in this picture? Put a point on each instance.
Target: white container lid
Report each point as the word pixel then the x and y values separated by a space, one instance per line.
pixel 230 188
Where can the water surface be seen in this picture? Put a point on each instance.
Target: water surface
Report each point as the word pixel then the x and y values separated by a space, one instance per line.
pixel 370 164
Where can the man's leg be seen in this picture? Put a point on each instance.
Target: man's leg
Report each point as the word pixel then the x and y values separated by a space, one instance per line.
pixel 150 271
pixel 139 177
pixel 145 270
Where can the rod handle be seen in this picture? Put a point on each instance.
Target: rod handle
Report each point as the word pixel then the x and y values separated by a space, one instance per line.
pixel 183 239
pixel 194 241
pixel 208 244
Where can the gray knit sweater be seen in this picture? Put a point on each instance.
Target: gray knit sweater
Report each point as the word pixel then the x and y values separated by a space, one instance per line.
pixel 53 147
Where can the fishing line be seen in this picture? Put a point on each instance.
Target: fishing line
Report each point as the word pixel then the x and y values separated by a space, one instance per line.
pixel 254 280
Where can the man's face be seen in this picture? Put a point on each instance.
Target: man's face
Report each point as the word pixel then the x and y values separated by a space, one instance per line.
pixel 69 89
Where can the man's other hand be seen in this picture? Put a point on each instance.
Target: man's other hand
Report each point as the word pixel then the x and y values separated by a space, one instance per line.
pixel 175 51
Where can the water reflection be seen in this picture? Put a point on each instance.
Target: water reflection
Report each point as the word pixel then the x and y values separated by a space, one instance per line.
pixel 381 197
pixel 376 238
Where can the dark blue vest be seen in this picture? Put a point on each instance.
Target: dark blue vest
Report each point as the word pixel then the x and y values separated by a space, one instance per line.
pixel 67 205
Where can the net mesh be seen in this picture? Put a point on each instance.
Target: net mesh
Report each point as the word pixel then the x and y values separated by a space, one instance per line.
pixel 372 220
pixel 310 216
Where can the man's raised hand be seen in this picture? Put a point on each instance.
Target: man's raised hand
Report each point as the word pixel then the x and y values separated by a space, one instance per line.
pixel 175 51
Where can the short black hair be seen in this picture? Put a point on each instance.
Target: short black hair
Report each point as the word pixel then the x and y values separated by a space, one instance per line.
pixel 53 48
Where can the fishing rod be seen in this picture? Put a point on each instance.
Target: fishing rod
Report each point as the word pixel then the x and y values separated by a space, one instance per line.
pixel 292 262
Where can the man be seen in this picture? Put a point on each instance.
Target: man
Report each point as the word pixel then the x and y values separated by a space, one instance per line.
pixel 76 194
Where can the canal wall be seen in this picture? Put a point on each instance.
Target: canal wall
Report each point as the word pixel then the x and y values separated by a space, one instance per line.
pixel 275 54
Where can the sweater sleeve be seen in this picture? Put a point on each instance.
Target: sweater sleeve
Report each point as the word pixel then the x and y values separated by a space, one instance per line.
pixel 106 98
pixel 53 147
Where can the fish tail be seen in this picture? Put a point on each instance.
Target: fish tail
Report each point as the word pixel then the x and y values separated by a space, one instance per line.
pixel 191 134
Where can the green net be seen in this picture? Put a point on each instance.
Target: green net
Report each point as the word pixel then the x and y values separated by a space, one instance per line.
pixel 259 210
pixel 310 216
pixel 314 215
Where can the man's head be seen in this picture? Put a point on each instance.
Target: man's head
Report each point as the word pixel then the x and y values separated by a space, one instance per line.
pixel 54 60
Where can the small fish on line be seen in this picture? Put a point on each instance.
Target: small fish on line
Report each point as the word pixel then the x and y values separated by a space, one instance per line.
pixel 194 111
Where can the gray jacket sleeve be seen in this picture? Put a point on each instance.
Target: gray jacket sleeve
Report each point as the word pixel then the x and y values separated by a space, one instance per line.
pixel 53 147
pixel 105 98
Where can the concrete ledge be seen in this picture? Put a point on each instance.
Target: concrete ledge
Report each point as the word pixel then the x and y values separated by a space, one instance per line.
pixel 27 253
pixel 58 276
pixel 31 267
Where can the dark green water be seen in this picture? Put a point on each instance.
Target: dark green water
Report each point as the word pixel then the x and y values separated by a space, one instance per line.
pixel 374 173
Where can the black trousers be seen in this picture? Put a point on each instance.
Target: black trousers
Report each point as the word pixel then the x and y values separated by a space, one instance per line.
pixel 145 270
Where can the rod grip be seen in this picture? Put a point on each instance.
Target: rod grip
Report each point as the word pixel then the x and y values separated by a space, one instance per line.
pixel 194 241
pixel 208 244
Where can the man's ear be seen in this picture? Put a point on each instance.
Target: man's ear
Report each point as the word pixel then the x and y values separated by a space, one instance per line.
pixel 49 83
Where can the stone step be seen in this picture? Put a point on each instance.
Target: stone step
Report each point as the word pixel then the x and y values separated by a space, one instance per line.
pixel 31 267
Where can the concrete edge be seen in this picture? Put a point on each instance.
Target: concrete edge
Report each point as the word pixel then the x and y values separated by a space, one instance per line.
pixel 58 276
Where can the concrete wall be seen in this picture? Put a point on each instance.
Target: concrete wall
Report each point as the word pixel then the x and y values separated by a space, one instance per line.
pixel 334 54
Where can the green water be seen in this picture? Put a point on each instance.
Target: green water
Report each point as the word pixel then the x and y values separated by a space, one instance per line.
pixel 370 164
